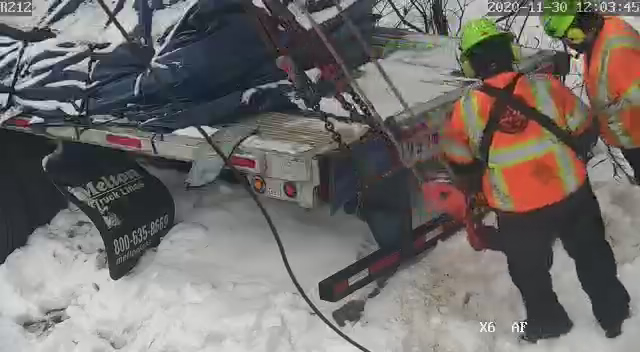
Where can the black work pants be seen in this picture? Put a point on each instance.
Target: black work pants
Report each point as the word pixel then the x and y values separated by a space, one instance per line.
pixel 633 158
pixel 527 242
pixel 386 208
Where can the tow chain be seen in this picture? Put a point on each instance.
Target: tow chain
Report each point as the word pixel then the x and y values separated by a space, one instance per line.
pixel 337 138
pixel 364 116
pixel 331 73
pixel 367 118
pixel 252 194
pixel 354 116
pixel 362 105
pixel 361 182
pixel 331 128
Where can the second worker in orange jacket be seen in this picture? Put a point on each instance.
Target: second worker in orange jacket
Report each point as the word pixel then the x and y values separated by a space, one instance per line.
pixel 527 138
pixel 610 48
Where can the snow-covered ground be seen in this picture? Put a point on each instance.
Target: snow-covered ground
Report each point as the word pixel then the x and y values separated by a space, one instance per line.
pixel 216 283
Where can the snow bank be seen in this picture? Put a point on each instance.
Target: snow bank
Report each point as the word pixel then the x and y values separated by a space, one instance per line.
pixel 216 283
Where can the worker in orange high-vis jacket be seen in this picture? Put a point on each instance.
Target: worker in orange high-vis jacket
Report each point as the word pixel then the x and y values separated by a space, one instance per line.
pixel 525 140
pixel 611 70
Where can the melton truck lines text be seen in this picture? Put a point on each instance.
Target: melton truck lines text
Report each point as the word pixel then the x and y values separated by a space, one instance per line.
pixel 100 193
pixel 93 190
pixel 137 237
pixel 102 203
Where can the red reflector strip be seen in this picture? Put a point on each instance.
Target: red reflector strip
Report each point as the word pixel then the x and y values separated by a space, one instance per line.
pixel 340 287
pixel 242 162
pixel 124 141
pixel 419 243
pixel 19 122
pixel 384 263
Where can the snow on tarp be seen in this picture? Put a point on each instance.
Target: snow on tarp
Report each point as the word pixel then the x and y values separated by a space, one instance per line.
pixel 422 73
pixel 207 55
pixel 320 16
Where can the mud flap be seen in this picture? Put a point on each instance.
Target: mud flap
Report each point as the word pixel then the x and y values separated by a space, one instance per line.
pixel 131 209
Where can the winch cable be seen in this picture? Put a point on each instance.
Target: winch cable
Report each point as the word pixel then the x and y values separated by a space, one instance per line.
pixel 378 119
pixel 380 124
pixel 252 194
pixel 356 32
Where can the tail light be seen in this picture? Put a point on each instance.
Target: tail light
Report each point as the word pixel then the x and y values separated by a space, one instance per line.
pixel 244 162
pixel 18 122
pixel 290 189
pixel 258 184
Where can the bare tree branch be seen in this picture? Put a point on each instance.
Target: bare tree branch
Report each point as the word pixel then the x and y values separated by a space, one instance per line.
pixel 438 18
pixel 423 13
pixel 381 6
pixel 463 9
pixel 402 17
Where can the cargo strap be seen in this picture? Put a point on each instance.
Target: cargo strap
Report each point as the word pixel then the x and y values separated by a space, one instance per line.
pixel 504 99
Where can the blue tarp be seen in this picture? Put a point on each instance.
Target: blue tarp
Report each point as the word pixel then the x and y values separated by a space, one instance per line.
pixel 204 64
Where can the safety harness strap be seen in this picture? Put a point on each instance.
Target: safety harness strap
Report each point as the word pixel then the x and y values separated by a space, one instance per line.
pixel 505 98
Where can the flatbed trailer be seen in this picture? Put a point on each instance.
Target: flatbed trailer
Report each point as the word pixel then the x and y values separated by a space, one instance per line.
pixel 291 156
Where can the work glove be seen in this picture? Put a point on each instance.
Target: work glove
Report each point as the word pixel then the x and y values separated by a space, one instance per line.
pixel 477 203
pixel 479 235
pixel 474 227
pixel 588 139
pixel 445 197
pixel 475 236
pixel 482 237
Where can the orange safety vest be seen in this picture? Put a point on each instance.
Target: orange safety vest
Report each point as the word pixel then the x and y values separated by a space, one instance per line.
pixel 612 78
pixel 529 169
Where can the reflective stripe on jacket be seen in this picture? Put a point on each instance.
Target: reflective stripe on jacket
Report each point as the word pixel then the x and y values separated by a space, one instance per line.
pixel 612 78
pixel 529 169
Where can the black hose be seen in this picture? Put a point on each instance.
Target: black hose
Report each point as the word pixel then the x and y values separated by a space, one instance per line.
pixel 278 240
pixel 255 198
